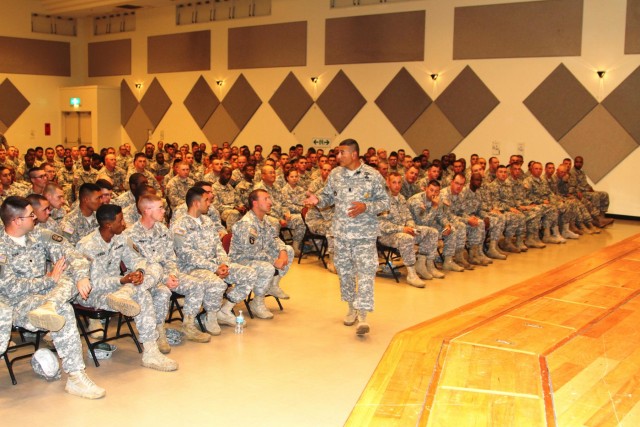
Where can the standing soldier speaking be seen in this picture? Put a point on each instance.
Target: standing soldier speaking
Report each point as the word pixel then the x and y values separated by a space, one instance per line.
pixel 358 193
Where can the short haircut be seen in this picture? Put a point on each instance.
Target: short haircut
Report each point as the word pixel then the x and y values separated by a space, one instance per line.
pixel 86 189
pixel 107 213
pixel 459 175
pixel 393 175
pixel 146 200
pixel 135 178
pixel 104 184
pixel 33 171
pixel 12 207
pixel 50 188
pixel 138 155
pixel 193 195
pixel 201 184
pixel 36 200
pixel 434 183
pixel 351 143
pixel 143 189
pixel 253 196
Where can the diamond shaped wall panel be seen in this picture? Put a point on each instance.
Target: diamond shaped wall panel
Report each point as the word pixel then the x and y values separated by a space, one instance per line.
pixel 560 102
pixel 201 102
pixel 466 101
pixel 632 30
pixel 221 127
pixel 155 102
pixel 341 101
pixel 241 102
pixel 624 104
pixel 3 127
pixel 403 100
pixel 434 131
pixel 128 103
pixel 138 127
pixel 291 101
pixel 602 142
pixel 12 103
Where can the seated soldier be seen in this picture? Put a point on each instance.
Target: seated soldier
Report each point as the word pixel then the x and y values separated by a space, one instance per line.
pixel 256 244
pixel 201 255
pixel 179 185
pixel 155 242
pixel 227 200
pixel 398 230
pixel 41 300
pixel 82 220
pixel 131 294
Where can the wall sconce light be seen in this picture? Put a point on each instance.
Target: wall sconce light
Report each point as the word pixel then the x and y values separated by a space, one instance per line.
pixel 601 74
pixel 434 77
pixel 314 80
pixel 220 82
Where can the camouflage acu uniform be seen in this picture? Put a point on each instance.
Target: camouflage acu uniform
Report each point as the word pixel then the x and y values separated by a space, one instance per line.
pixel 425 214
pixel 501 197
pixel 392 225
pixel 319 220
pixel 254 243
pixel 176 190
pixel 244 188
pixel 356 257
pixel 130 215
pixel 156 245
pixel 25 286
pixel 84 177
pixel 65 180
pixel 200 254
pixel 123 162
pixel 457 206
pixel 226 200
pixel 211 177
pixel 5 325
pixel 521 198
pixel 294 198
pixel 124 200
pixel 151 296
pixel 317 185
pixel 279 211
pixel 476 205
pixel 598 199
pixel 75 225
pixel 116 177
pixel 305 180
pixel 408 189
pixel 540 194
pixel 560 187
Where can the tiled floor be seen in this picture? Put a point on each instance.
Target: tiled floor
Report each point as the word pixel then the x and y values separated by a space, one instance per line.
pixel 301 368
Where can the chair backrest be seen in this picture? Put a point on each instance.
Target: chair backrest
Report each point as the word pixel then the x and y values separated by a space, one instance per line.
pixel 226 242
pixel 304 213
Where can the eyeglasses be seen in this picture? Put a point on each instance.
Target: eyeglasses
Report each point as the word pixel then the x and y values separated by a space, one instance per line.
pixel 32 215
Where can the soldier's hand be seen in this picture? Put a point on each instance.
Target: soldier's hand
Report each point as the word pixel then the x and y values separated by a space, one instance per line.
pixel 435 201
pixel 282 260
pixel 447 230
pixel 409 230
pixel 356 209
pixel 473 221
pixel 84 287
pixel 222 271
pixel 311 199
pixel 172 282
pixel 58 269
pixel 137 277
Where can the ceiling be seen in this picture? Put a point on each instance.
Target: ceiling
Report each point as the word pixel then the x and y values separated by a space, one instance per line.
pixel 82 8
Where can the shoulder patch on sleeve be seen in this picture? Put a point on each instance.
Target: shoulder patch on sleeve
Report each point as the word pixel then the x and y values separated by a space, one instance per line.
pixel 179 231
pixel 56 238
pixel 68 229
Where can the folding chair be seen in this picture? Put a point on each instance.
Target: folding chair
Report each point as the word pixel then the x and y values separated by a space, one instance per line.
pixel 389 254
pixel 83 314
pixel 23 344
pixel 175 305
pixel 312 237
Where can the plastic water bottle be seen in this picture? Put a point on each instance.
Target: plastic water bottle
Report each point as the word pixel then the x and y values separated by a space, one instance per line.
pixel 239 323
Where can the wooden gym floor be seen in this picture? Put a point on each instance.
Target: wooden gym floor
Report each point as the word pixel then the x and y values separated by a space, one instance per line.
pixel 559 349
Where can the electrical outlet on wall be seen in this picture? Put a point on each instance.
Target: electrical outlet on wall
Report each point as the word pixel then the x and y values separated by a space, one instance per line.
pixel 495 148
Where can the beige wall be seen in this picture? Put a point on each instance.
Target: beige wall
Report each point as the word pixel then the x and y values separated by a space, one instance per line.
pixel 511 80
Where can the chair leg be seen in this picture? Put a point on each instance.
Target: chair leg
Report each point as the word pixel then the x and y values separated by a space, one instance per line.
pixel 81 320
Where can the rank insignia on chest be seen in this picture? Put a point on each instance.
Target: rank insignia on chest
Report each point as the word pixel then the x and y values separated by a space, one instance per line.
pixel 3 259
pixel 335 193
pixel 367 195
pixel 56 238
pixel 252 240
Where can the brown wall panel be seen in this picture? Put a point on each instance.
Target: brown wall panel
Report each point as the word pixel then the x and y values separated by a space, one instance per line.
pixel 31 56
pixel 110 58
pixel 173 53
pixel 264 46
pixel 392 37
pixel 518 30
pixel 632 34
